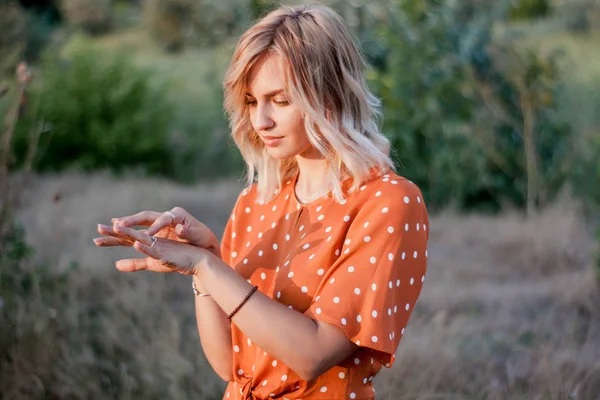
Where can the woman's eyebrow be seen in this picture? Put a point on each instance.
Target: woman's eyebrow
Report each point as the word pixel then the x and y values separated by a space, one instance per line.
pixel 268 94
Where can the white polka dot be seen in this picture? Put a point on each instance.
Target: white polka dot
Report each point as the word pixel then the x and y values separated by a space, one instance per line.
pixel 278 295
pixel 249 229
pixel 274 363
pixel 343 202
pixel 260 253
pixel 385 179
pixel 346 218
pixel 233 235
pixel 425 253
pixel 357 290
pixel 285 264
pixel 332 280
pixel 367 239
pixel 318 311
pixel 356 361
pixel 287 237
pixel 249 342
pixel 337 252
pixel 415 254
pixel 260 235
pixel 397 282
pixel 350 269
pixel 365 379
pixel 329 238
pixel 262 217
pixel 418 199
pixel 227 395
pixel 358 318
pixel 247 210
pixel 395 309
pixel 423 279
pixel 417 226
pixel 384 210
pixel 406 199
pixel 377 194
pixel 412 281
pixel 274 208
pixel 273 225
pixel 403 255
pixel 390 284
pixel 343 321
pixel 321 217
pixel 336 300
pixel 301 228
pixel 374 313
pixel 389 311
pixel 304 289
pixel 407 307
pixel 263 276
pixel 264 383
pixel 424 227
pixel 406 227
pixel 394 182
pixel 373 260
pixel 402 333
pixel 240 371
pixel 320 272
pixel 236 348
pixel 234 254
pixel 311 257
pixel 290 274
pixel 284 378
pixel 390 256
pixel 363 187
pixel 275 246
pixel 328 229
pixel 323 389
pixel 390 229
pixel 342 375
pixel 352 395
pixel 347 251
pixel 347 242
pixel 245 261
pixel 306 246
pixel 366 224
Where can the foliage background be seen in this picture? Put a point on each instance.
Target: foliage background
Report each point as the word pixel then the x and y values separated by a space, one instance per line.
pixel 492 108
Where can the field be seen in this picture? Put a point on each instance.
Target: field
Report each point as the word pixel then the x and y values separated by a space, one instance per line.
pixel 509 310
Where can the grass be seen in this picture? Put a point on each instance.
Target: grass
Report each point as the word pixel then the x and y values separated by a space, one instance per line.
pixel 509 310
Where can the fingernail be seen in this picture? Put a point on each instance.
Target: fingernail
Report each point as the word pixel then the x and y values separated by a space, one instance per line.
pixel 97 241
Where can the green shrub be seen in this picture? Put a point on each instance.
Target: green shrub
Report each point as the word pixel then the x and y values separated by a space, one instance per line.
pixel 93 16
pixel 99 112
pixel 529 9
pixel 13 35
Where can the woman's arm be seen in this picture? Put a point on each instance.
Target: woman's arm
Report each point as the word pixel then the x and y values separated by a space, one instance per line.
pixel 215 333
pixel 307 346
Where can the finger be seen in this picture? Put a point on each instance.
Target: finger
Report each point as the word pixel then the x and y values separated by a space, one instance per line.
pixel 172 218
pixel 107 230
pixel 154 252
pixel 132 265
pixel 133 234
pixel 144 218
pixel 113 241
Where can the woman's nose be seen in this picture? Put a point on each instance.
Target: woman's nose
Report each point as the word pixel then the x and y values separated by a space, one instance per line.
pixel 263 119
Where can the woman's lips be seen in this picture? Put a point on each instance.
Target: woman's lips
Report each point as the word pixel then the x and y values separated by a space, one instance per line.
pixel 272 141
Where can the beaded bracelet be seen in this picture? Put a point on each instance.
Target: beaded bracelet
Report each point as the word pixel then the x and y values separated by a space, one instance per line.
pixel 243 302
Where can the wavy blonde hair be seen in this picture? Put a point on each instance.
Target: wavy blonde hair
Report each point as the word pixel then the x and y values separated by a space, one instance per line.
pixel 324 75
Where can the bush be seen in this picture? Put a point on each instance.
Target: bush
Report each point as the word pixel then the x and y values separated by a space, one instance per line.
pixel 99 111
pixel 529 9
pixel 93 16
pixel 13 35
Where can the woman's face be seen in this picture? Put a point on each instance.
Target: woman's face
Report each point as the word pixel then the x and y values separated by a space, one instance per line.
pixel 278 122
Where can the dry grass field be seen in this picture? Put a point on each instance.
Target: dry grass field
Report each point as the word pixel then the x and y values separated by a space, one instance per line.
pixel 509 310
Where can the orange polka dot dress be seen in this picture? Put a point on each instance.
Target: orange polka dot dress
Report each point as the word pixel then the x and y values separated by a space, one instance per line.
pixel 359 265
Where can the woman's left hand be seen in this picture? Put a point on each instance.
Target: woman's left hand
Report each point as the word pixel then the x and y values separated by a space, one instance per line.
pixel 164 255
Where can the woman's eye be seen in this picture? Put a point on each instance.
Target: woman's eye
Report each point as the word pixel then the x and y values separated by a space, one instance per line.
pixel 282 102
pixel 250 102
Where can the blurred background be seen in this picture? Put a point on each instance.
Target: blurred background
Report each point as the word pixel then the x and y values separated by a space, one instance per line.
pixel 112 107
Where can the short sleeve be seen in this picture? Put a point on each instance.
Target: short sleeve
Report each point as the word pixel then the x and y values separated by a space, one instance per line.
pixel 371 289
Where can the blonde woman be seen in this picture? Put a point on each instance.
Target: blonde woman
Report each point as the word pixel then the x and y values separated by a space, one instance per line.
pixel 323 258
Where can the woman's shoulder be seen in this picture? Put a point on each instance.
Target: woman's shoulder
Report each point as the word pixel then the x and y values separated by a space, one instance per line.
pixel 393 188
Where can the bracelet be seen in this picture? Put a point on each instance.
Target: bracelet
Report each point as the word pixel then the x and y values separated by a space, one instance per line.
pixel 243 302
pixel 196 292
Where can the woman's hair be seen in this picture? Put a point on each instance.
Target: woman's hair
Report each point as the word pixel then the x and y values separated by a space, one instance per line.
pixel 324 76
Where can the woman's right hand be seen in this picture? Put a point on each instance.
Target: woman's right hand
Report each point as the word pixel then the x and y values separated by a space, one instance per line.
pixel 178 225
